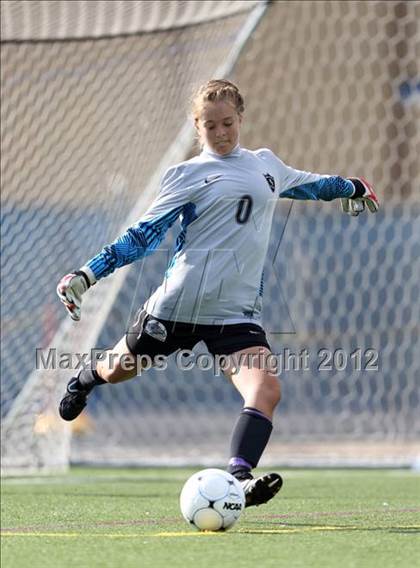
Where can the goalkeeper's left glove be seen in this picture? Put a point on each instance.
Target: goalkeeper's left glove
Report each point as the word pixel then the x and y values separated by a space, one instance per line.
pixel 363 195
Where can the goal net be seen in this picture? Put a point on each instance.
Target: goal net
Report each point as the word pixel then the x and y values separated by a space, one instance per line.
pixel 94 109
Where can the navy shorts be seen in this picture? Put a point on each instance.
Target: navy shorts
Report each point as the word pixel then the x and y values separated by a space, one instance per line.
pixel 153 336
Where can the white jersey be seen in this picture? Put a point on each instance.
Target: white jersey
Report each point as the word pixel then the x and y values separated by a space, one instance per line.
pixel 225 205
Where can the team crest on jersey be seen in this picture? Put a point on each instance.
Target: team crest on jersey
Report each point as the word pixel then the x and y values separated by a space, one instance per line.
pixel 270 181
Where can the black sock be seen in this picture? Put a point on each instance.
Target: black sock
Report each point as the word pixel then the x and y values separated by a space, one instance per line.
pixel 249 439
pixel 89 378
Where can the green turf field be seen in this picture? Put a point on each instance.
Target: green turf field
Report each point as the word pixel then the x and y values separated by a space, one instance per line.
pixel 130 518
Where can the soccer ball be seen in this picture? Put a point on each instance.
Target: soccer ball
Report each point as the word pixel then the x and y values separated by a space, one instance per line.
pixel 212 500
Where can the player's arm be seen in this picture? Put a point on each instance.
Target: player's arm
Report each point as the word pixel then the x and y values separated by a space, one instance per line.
pixel 136 242
pixel 354 193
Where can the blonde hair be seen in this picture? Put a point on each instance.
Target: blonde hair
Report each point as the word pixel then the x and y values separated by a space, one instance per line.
pixel 216 90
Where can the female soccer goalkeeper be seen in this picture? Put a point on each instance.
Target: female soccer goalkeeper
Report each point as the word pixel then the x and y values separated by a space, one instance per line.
pixel 212 289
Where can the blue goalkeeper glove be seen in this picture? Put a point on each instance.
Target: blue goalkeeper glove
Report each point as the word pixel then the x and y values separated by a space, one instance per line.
pixel 363 195
pixel 71 288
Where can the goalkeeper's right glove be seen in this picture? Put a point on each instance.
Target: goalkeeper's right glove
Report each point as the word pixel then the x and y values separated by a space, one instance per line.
pixel 71 288
pixel 363 194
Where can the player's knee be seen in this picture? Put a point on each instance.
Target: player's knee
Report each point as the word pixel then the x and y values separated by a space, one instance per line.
pixel 117 369
pixel 265 401
pixel 118 375
pixel 269 393
pixel 273 391
pixel 266 396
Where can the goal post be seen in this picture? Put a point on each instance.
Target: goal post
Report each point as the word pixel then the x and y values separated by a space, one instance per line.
pixel 94 109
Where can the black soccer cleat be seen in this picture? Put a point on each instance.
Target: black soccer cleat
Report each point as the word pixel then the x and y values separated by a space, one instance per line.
pixel 261 489
pixel 74 401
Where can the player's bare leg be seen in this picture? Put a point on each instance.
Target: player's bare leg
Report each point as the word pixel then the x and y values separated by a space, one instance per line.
pixel 118 365
pixel 114 366
pixel 259 387
pixel 260 390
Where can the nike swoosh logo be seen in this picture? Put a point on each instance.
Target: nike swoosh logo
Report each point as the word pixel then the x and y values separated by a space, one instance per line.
pixel 256 332
pixel 71 388
pixel 212 178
